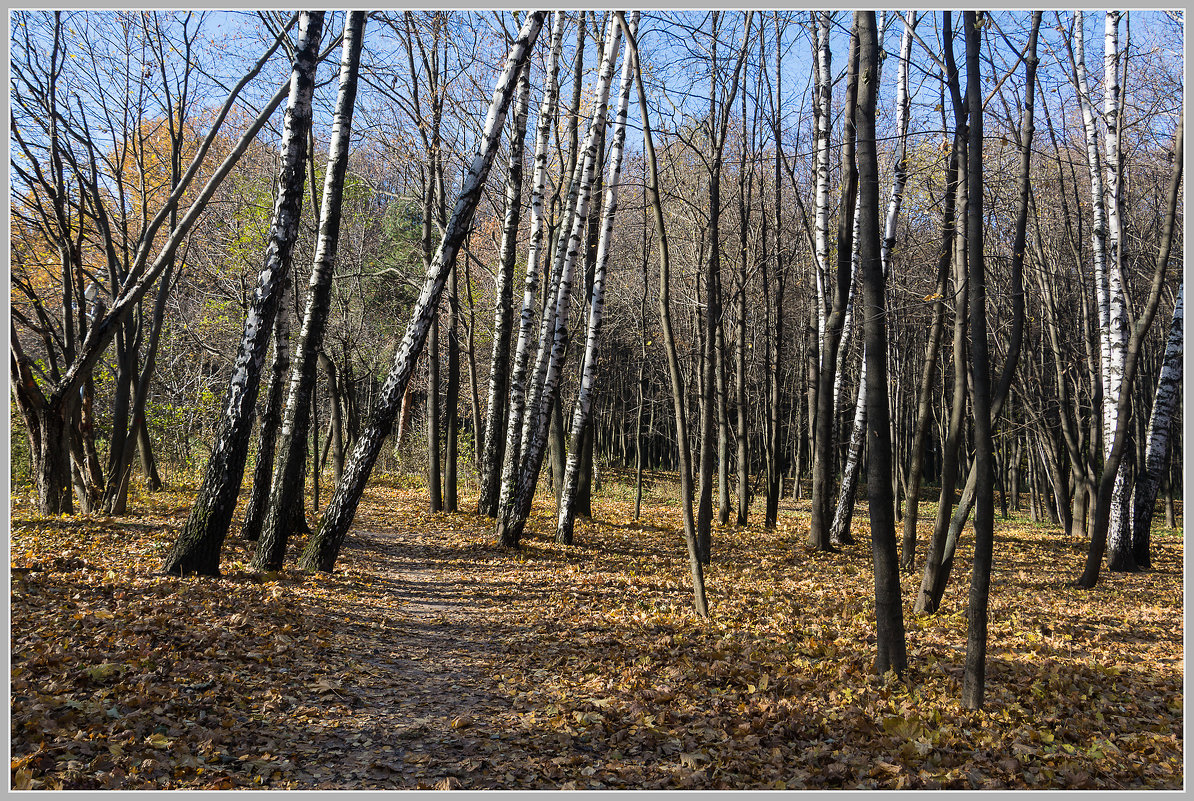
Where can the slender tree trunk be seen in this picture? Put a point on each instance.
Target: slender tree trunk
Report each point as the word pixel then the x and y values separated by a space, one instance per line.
pixel 839 533
pixel 336 435
pixel 711 384
pixel 197 549
pixel 926 600
pixel 512 522
pixel 323 548
pixel 1160 426
pixel 271 419
pixel 499 374
pixel 974 676
pixel 286 493
pixel 452 401
pixel 891 654
pixel 1015 339
pixel 924 410
pixel 518 374
pixel 582 417
pixel 819 527
pixel 700 603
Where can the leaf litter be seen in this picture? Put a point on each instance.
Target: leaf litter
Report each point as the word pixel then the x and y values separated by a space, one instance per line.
pixel 434 659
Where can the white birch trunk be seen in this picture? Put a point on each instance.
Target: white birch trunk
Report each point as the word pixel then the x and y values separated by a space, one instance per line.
pixel 1099 231
pixel 1160 432
pixel 821 111
pixel 584 398
pixel 197 549
pixel 323 548
pixel 499 376
pixel 519 375
pixel 839 532
pixel 512 519
pixel 286 493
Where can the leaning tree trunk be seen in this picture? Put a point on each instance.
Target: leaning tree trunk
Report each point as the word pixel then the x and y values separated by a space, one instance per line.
pixel 538 247
pixel 1160 427
pixel 323 548
pixel 512 520
pixel 286 493
pixel 267 432
pixel 493 449
pixel 889 616
pixel 584 399
pixel 197 549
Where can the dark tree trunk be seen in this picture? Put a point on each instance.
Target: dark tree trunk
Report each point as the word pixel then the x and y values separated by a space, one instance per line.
pixel 924 410
pixel 700 602
pixel 267 431
pixel 452 399
pixel 889 616
pixel 974 677
pixel 336 427
pixel 927 598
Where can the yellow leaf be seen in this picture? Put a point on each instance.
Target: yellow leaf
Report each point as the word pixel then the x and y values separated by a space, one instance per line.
pixel 158 741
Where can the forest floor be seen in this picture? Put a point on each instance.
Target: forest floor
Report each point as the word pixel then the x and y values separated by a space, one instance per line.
pixel 433 659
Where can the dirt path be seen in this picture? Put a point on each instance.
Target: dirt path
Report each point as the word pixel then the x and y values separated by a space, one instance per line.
pixel 424 681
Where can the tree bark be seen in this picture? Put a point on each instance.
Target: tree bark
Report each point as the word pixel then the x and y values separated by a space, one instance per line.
pixel 1160 426
pixel 324 547
pixel 512 520
pixel 499 374
pixel 286 493
pixel 819 526
pixel 582 418
pixel 197 549
pixel 271 419
pixel 891 653
pixel 974 675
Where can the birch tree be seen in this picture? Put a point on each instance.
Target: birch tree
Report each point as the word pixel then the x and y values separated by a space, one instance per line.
pixel 1160 433
pixel 287 488
pixel 839 531
pixel 1098 534
pixel 493 448
pixel 322 549
pixel 197 548
pixel 819 526
pixel 512 519
pixel 584 398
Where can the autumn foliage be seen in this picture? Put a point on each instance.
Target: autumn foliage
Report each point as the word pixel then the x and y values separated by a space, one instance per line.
pixel 433 658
